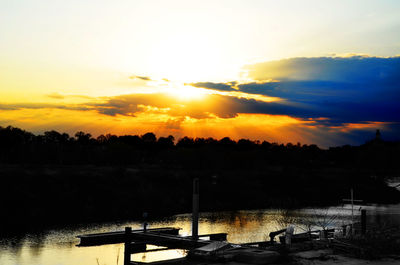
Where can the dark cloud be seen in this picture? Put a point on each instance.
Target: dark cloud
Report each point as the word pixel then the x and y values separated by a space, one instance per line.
pixel 216 86
pixel 144 78
pixel 341 90
pixel 215 105
pixel 130 104
pixel 8 107
pixel 18 106
pixel 336 129
pixel 353 89
pixel 337 69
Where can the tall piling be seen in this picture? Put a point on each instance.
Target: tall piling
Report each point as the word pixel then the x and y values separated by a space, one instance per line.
pixel 127 247
pixel 363 221
pixel 195 213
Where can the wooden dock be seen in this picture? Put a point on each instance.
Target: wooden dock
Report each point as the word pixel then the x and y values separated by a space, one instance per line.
pixel 136 241
pixel 165 236
pixel 119 236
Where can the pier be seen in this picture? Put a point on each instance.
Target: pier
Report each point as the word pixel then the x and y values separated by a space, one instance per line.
pixel 206 246
pixel 215 246
pixel 136 241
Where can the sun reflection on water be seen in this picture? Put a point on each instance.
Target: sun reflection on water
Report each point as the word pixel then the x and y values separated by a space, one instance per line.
pixel 59 246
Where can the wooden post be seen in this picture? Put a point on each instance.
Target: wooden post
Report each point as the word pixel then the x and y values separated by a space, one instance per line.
pixel 352 212
pixel 363 221
pixel 127 249
pixel 288 236
pixel 352 200
pixel 195 214
pixel 145 222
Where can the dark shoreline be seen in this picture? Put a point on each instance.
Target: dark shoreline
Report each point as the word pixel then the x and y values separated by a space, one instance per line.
pixel 55 179
pixel 37 197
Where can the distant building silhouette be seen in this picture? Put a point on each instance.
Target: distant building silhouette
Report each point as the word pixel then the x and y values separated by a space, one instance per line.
pixel 378 135
pixel 377 141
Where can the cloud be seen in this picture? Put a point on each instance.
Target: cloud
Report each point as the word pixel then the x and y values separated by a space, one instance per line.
pixel 221 106
pixel 343 90
pixel 18 106
pixel 174 124
pixel 55 96
pixel 8 107
pixel 216 86
pixel 338 69
pixel 350 89
pixel 325 93
pixel 144 78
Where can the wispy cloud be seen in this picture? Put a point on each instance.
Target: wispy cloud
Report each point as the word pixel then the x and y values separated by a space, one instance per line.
pixel 55 96
pixel 216 86
pixel 144 78
pixel 18 106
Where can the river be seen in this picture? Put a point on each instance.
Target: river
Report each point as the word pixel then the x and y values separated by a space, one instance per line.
pixel 58 246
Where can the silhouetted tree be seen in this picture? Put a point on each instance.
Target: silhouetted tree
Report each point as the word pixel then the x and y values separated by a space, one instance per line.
pixel 166 142
pixel 226 141
pixel 101 139
pixel 185 142
pixel 149 137
pixel 245 144
pixel 83 138
pixel 55 137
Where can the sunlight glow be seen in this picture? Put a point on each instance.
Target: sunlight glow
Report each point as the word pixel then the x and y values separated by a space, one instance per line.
pixel 186 93
pixel 184 57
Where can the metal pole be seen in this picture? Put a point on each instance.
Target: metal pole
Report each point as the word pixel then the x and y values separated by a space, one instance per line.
pixel 195 214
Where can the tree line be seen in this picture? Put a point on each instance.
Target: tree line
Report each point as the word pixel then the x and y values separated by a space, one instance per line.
pixel 52 147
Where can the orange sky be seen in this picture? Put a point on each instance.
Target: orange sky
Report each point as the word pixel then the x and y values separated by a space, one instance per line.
pixel 266 70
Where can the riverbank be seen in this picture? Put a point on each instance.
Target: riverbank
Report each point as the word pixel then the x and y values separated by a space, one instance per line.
pixel 38 196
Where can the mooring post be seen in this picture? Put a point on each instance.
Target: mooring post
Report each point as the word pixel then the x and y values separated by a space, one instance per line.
pixel 352 211
pixel 145 222
pixel 127 247
pixel 363 221
pixel 288 236
pixel 195 214
pixel 352 200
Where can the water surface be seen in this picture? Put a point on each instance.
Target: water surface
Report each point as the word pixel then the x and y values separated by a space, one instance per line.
pixel 59 246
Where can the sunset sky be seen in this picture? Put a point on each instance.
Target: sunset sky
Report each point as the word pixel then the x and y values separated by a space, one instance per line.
pixel 323 72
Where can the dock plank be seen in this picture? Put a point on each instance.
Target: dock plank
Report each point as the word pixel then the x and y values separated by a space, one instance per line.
pixel 117 237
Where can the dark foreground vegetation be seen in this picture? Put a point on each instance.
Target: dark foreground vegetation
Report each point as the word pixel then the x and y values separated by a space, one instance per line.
pixel 57 179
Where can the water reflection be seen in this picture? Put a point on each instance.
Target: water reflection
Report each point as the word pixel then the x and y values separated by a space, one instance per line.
pixel 58 246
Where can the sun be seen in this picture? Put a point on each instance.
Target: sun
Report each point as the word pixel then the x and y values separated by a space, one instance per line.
pixel 184 58
pixel 186 92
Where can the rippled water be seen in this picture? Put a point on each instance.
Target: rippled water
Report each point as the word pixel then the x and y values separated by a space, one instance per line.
pixel 59 246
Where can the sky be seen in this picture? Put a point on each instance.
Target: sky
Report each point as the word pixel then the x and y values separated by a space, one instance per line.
pixel 314 72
